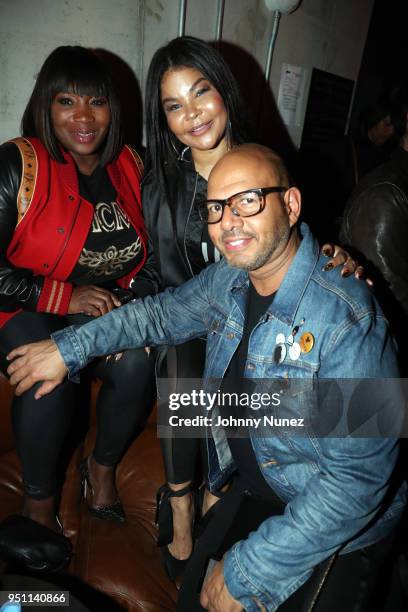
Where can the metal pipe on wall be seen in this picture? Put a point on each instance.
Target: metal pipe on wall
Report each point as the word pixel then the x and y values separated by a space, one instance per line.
pixel 268 62
pixel 220 19
pixel 182 17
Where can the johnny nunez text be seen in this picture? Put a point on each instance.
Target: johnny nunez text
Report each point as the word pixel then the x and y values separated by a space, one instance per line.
pixel 252 422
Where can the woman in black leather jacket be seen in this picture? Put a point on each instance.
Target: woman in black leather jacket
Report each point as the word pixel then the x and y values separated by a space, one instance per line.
pixel 193 117
pixel 194 114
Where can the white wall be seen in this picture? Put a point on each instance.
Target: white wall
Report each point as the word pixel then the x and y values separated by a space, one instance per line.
pixel 327 34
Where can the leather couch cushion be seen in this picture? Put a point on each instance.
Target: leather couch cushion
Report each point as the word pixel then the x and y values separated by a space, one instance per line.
pixel 119 559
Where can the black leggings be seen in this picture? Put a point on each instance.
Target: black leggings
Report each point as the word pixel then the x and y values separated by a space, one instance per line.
pixel 180 455
pixel 40 426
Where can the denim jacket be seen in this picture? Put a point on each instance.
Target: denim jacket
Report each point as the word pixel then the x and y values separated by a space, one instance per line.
pixel 339 491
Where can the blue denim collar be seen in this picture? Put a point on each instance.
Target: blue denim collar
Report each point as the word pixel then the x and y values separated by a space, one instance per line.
pixel 289 295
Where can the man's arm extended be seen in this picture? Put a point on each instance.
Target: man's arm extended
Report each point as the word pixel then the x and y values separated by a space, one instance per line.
pixel 172 317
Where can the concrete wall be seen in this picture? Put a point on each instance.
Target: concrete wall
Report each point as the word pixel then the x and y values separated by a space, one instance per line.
pixel 327 34
pixel 30 30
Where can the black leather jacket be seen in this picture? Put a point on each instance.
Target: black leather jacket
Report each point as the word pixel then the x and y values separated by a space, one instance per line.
pixel 19 287
pixel 173 224
pixel 375 223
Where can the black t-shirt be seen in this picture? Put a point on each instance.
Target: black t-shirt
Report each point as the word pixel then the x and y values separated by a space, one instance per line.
pixel 197 233
pixel 255 308
pixel 234 382
pixel 113 247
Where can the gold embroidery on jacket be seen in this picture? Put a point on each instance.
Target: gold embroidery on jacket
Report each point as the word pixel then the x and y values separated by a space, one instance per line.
pixel 28 176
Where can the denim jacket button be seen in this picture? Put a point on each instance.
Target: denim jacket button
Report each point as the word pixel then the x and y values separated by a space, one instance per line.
pixel 230 335
pixel 250 366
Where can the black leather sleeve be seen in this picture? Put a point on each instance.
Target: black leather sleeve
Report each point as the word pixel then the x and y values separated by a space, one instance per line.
pixel 376 225
pixel 147 281
pixel 19 287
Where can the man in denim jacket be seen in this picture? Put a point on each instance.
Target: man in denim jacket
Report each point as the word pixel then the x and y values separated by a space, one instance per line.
pixel 339 492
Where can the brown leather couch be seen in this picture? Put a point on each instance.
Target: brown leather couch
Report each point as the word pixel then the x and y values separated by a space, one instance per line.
pixel 120 560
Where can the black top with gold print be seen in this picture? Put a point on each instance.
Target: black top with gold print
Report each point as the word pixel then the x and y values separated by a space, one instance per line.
pixel 113 247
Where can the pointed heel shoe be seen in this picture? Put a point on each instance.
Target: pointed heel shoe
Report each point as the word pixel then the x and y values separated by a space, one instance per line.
pixel 110 512
pixel 164 521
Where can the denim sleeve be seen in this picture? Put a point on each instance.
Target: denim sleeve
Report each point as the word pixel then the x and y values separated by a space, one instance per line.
pixel 171 317
pixel 339 501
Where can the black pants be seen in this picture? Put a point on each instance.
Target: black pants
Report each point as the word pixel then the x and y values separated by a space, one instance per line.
pixel 343 583
pixel 40 426
pixel 180 455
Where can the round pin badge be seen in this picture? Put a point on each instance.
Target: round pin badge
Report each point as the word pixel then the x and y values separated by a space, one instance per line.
pixel 306 342
pixel 280 339
pixel 290 340
pixel 279 353
pixel 294 351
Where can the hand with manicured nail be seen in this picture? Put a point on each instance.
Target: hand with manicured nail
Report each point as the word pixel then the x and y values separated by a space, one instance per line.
pixel 341 257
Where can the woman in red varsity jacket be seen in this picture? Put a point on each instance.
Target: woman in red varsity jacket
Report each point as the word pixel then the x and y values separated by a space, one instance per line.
pixel 73 246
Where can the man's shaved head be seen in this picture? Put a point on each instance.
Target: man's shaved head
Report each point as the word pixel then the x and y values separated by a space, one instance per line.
pixel 249 158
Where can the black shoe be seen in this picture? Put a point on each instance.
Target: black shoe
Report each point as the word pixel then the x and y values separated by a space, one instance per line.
pixel 174 567
pixel 110 512
pixel 32 545
pixel 164 520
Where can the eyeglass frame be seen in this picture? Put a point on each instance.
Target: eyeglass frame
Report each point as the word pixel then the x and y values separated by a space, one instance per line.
pixel 260 191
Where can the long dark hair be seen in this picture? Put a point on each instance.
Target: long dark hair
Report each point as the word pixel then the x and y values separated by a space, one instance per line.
pixel 161 156
pixel 80 71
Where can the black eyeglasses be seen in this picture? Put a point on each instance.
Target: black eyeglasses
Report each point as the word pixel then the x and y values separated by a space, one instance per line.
pixel 243 204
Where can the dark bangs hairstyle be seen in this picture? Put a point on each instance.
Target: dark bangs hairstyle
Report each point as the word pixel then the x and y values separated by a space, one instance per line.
pixel 162 146
pixel 73 70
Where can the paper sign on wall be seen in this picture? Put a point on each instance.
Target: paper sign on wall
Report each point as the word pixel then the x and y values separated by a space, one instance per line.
pixel 291 94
